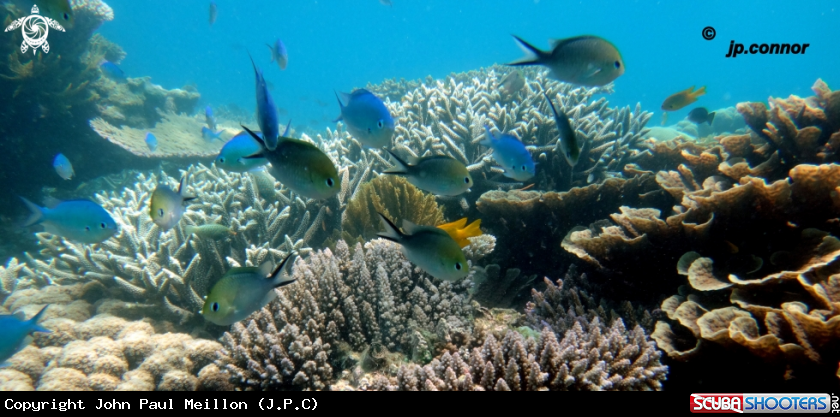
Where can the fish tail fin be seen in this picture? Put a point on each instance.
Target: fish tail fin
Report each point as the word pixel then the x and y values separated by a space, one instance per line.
pixel 37 215
pixel 711 118
pixel 700 91
pixel 391 232
pixel 534 55
pixel 474 229
pixel 277 274
pixel 401 167
pixel 340 106
pixel 182 191
pixel 488 141
pixel 288 126
pixel 34 321
pixel 256 138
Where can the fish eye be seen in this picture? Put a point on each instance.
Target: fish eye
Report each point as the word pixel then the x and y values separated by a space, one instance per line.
pixel 160 212
pixel 215 307
pixel 66 16
pixel 617 64
pixel 221 160
pixel 466 180
pixel 103 225
pixel 458 266
pixel 523 167
pixel 330 182
pixel 87 228
pixel 380 124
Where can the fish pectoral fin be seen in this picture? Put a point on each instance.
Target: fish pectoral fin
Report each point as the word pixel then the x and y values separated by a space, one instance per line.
pixel 591 71
pixel 254 156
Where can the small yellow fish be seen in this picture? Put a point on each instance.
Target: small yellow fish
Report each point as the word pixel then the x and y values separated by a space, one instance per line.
pixel 679 100
pixel 459 231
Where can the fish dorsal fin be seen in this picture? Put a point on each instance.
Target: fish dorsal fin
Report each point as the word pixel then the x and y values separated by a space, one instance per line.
pixel 359 92
pixel 51 202
pixel 409 227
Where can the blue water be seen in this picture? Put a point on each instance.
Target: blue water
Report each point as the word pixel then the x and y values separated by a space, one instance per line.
pixel 340 45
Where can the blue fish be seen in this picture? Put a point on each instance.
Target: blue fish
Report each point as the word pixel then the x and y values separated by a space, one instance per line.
pixel 63 167
pixel 266 111
pixel 112 71
pixel 208 117
pixel 15 334
pixel 210 135
pixel 279 54
pixel 233 155
pixel 151 141
pixel 367 118
pixel 511 154
pixel 78 220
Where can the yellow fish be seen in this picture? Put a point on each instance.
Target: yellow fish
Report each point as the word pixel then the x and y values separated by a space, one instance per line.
pixel 679 100
pixel 459 231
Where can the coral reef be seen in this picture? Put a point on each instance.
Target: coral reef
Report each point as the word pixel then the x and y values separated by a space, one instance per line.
pixel 177 135
pixel 343 302
pixel 392 196
pixel 139 104
pixel 166 274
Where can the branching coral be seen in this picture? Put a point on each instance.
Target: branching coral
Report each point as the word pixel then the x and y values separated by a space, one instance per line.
pixel 172 270
pixel 346 300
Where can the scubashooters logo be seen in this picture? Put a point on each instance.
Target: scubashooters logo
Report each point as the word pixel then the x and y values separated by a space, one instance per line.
pixel 35 29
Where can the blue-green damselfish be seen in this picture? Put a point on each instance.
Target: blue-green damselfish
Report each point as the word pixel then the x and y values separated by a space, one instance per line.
pixel 430 248
pixel 81 221
pixel 301 166
pixel 14 334
pixel 166 206
pixel 440 175
pixel 242 291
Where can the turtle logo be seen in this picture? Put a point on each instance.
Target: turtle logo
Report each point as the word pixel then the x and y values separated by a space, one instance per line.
pixel 35 29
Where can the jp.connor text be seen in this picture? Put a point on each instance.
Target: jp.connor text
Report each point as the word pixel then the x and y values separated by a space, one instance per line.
pixel 736 49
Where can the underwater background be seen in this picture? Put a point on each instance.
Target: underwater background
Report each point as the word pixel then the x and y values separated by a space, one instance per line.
pixel 672 253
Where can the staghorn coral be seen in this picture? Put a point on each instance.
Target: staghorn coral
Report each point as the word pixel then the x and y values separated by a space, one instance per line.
pixel 392 196
pixel 343 301
pixel 173 270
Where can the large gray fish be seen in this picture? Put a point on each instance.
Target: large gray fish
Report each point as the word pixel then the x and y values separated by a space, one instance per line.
pixel 584 60
pixel 568 139
pixel 242 291
pixel 266 111
pixel 167 206
pixel 430 248
pixel 301 166
pixel 440 175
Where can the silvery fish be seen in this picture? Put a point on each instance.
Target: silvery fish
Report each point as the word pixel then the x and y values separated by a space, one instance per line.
pixel 279 54
pixel 63 167
pixel 151 141
pixel 568 142
pixel 266 111
pixel 440 175
pixel 301 166
pixel 15 334
pixel 430 248
pixel 210 135
pixel 78 220
pixel 112 71
pixel 512 83
pixel 511 154
pixel 367 118
pixel 584 60
pixel 242 291
pixel 210 231
pixel 167 206
pixel 209 119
